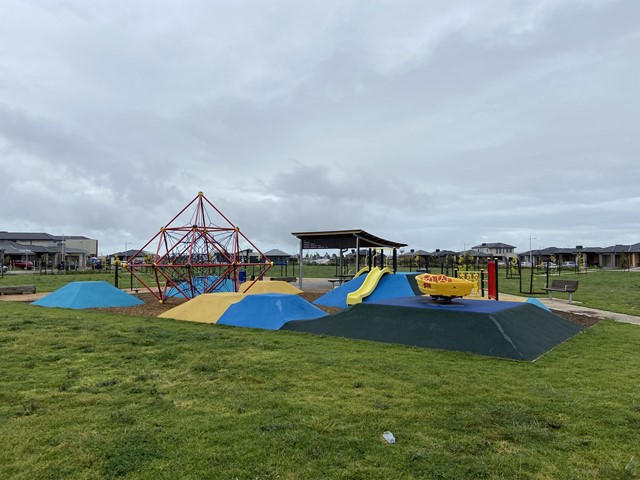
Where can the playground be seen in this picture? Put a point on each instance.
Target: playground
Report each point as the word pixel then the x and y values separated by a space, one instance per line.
pixel 375 306
pixel 199 268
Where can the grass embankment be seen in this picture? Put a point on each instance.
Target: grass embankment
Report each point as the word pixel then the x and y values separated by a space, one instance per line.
pixel 87 395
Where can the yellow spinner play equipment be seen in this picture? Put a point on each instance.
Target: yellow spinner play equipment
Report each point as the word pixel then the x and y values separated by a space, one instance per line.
pixel 442 287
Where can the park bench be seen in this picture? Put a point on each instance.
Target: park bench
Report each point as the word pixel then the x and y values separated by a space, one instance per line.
pixel 333 282
pixel 18 289
pixel 567 286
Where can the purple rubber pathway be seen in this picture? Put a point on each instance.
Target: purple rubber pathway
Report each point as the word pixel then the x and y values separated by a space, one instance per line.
pixel 269 311
pixel 79 295
pixel 457 305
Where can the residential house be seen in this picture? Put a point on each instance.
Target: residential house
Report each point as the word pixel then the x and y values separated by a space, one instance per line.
pixel 499 251
pixel 44 249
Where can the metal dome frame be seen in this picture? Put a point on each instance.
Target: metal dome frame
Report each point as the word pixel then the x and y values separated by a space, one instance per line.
pixel 195 255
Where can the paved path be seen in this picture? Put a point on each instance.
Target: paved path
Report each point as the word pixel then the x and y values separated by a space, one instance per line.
pixel 320 285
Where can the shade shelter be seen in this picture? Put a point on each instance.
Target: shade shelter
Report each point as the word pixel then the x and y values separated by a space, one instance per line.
pixel 343 240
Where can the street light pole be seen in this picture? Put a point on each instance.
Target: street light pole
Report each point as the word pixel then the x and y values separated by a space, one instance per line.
pixel 530 251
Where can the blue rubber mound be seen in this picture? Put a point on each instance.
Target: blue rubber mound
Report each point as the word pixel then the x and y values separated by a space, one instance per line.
pixel 79 295
pixel 200 285
pixel 390 286
pixel 269 311
pixel 338 296
pixel 537 303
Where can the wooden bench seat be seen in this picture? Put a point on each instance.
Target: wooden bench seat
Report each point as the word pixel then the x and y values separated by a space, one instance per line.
pixel 567 286
pixel 17 289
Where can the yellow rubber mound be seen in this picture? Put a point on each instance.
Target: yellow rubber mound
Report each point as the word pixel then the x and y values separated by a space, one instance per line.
pixel 270 287
pixel 206 308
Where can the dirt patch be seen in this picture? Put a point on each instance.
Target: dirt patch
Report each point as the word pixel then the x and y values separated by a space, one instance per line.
pixel 151 307
pixel 313 296
pixel 585 319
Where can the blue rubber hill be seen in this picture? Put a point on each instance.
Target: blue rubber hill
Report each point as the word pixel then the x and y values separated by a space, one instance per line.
pixel 390 286
pixel 79 295
pixel 269 311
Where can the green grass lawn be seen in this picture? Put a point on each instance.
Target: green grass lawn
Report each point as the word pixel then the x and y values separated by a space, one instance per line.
pixel 90 395
pixel 611 290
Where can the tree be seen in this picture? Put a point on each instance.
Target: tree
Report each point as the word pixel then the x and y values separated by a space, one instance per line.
pixel 624 262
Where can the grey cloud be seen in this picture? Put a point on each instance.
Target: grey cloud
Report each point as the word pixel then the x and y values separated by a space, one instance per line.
pixel 435 125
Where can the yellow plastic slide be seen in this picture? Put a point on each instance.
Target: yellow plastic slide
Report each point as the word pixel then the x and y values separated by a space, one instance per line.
pixel 368 286
pixel 361 271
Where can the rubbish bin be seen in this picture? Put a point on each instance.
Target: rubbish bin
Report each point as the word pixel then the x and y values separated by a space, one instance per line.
pixel 242 276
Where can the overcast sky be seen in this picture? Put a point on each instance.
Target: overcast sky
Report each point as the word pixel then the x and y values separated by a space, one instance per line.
pixel 440 124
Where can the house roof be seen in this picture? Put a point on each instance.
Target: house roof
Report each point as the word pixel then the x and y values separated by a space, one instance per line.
pixel 494 245
pixel 475 253
pixel 41 249
pixel 415 253
pixel 617 249
pixel 30 236
pixel 128 253
pixel 276 253
pixel 343 239
pixel 12 248
pixel 442 253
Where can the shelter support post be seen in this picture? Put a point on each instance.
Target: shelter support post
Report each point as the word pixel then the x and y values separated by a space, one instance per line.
pixel 395 260
pixel 300 265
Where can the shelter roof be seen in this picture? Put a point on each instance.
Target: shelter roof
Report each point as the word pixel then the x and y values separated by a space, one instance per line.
pixel 336 239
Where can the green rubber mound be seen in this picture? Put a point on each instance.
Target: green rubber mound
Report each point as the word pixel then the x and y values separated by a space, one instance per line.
pixel 520 332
